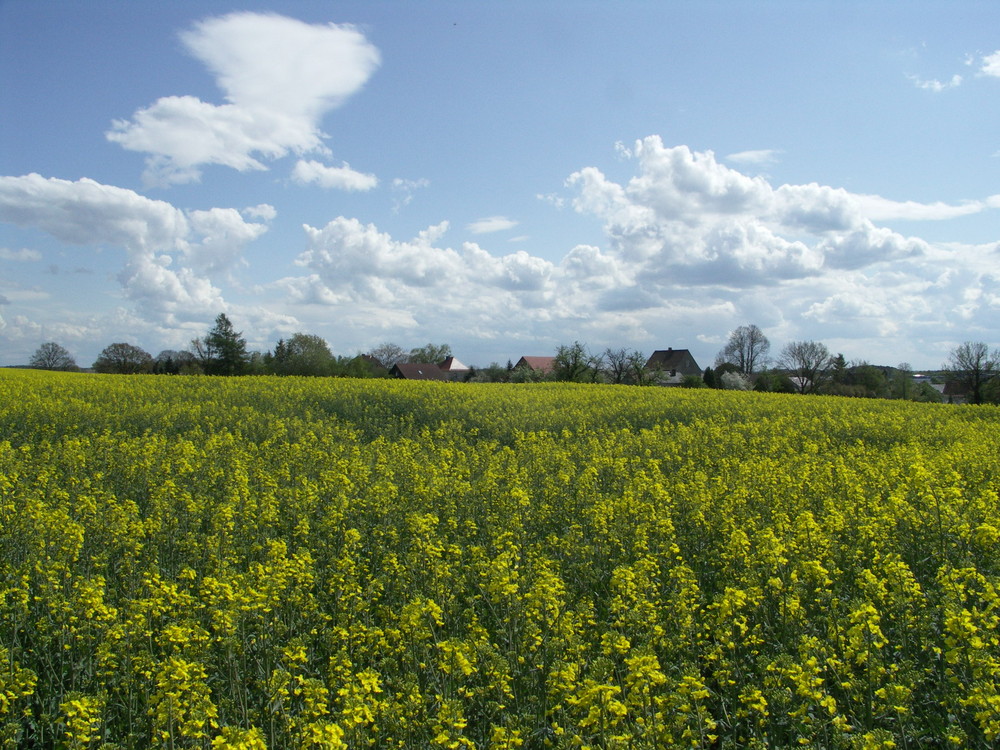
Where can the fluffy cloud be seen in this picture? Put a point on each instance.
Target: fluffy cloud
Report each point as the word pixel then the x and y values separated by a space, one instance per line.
pixel 280 76
pixel 377 279
pixel 685 214
pixel 991 65
pixel 692 245
pixel 170 252
pixel 342 178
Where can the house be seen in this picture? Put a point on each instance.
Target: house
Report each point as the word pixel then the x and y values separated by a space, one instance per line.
pixel 955 392
pixel 417 371
pixel 672 365
pixel 373 362
pixel 539 365
pixel 454 369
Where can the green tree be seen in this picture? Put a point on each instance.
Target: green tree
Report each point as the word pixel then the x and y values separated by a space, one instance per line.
pixel 901 383
pixel 838 369
pixel 860 380
pixel 52 356
pixel 223 351
pixel 358 367
pixel 972 365
pixel 492 373
pixel 302 354
pixel 574 363
pixel 123 359
pixel 433 354
pixel 172 362
pixel 772 381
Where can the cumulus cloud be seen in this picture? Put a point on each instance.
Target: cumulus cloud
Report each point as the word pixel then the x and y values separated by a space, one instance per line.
pixel 170 252
pixel 686 216
pixel 491 224
pixel 341 178
pixel 420 282
pixel 280 77
pixel 991 65
pixel 691 244
pixel 264 211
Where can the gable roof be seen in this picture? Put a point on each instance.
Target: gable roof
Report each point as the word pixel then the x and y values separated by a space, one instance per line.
pixel 538 364
pixel 417 371
pixel 673 359
pixel 373 361
pixel 452 364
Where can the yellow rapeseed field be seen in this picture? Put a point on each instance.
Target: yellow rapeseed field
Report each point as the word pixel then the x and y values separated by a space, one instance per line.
pixel 295 563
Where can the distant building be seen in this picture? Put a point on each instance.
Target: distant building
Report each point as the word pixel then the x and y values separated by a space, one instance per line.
pixel 454 369
pixel 541 365
pixel 417 371
pixel 955 392
pixel 373 362
pixel 672 365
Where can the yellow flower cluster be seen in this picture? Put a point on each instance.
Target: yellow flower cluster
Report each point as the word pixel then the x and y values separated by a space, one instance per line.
pixel 252 563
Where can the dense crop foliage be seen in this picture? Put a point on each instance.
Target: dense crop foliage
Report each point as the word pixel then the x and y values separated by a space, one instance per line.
pixel 250 563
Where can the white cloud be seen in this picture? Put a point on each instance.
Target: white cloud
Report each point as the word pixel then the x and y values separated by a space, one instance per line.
pixel 878 208
pixel 935 85
pixel 223 234
pixel 761 157
pixel 280 76
pixel 155 235
pixel 341 178
pixel 991 65
pixel 264 211
pixel 491 224
pixel 403 191
pixel 24 254
pixel 553 199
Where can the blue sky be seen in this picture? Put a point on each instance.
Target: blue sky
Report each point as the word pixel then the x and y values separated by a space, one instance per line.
pixel 501 177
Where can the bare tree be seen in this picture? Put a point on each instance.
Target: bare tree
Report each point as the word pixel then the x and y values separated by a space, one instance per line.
pixel 388 354
pixel 808 363
pixel 52 356
pixel 747 348
pixel 616 365
pixel 625 366
pixel 972 365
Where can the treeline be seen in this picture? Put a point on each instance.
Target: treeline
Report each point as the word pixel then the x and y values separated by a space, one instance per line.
pixel 972 373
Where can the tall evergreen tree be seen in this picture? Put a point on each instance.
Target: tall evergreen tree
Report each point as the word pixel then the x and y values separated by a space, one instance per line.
pixel 223 351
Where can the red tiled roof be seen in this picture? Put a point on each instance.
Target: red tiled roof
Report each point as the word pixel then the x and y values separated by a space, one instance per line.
pixel 539 364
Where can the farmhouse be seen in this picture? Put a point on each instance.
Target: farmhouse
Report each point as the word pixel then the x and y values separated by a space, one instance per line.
pixel 954 392
pixel 672 365
pixel 417 371
pixel 540 365
pixel 454 369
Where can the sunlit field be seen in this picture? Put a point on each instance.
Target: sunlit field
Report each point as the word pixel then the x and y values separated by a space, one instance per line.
pixel 285 563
